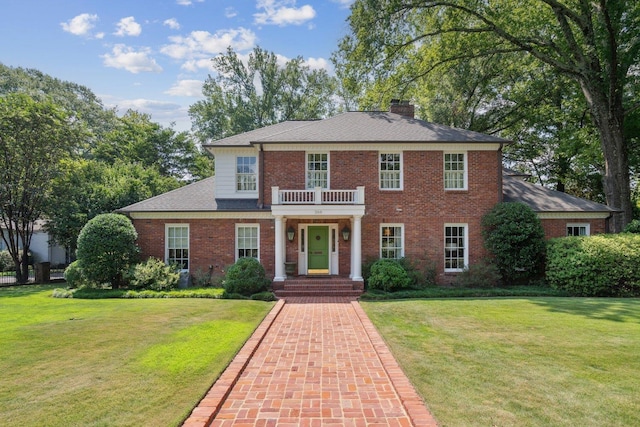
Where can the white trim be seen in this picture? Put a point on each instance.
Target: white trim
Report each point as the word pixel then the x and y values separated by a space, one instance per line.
pixel 382 146
pixel 466 246
pixel 166 242
pixel 381 227
pixel 245 225
pixel 573 215
pixel 318 211
pixel 401 187
pixel 201 215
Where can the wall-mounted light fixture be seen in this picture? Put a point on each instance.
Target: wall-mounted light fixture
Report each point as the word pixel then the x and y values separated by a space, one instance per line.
pixel 346 232
pixel 291 233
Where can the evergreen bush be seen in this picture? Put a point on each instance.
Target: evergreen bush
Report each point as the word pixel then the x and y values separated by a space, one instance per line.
pixel 74 276
pixel 633 227
pixel 6 262
pixel 246 277
pixel 601 265
pixel 155 275
pixel 388 275
pixel 483 275
pixel 513 233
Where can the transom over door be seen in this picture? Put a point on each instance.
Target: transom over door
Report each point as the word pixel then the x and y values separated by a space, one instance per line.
pixel 318 250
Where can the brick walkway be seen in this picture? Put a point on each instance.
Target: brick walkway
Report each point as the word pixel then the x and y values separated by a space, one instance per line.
pixel 313 362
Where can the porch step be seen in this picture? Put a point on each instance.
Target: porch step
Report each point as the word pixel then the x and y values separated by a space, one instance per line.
pixel 318 287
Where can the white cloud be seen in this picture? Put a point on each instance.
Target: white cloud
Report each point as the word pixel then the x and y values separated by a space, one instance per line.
pixel 278 12
pixel 230 12
pixel 128 27
pixel 125 57
pixel 187 2
pixel 344 3
pixel 80 25
pixel 199 46
pixel 186 88
pixel 318 64
pixel 172 23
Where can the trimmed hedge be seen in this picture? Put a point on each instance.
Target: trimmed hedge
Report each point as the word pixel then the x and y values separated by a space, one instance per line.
pixel 601 265
pixel 246 277
pixel 388 275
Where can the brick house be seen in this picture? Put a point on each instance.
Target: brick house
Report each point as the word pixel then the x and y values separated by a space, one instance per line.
pixel 324 196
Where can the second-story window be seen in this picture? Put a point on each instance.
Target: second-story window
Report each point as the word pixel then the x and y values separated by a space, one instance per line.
pixel 390 171
pixel 317 170
pixel 246 172
pixel 455 171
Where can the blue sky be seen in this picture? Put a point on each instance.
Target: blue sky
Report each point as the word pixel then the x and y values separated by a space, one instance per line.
pixel 153 55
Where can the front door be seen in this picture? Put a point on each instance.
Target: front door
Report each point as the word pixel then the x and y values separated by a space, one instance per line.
pixel 318 250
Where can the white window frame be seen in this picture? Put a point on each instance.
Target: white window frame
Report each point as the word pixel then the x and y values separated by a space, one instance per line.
pixel 382 236
pixel 241 175
pixel 307 171
pixel 446 172
pixel 237 246
pixel 400 172
pixel 167 245
pixel 446 247
pixel 586 225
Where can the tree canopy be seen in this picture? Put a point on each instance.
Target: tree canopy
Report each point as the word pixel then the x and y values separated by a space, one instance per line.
pixel 34 136
pixel 243 96
pixel 394 45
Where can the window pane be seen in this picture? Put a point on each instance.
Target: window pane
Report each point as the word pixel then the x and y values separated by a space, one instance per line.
pixel 454 171
pixel 178 246
pixel 390 171
pixel 454 247
pixel 317 170
pixel 391 242
pixel 247 241
pixel 246 172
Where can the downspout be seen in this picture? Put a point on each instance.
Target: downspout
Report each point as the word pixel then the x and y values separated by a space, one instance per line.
pixel 500 189
pixel 261 177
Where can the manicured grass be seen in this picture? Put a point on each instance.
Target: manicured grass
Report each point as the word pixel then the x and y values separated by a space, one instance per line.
pixel 124 362
pixel 519 362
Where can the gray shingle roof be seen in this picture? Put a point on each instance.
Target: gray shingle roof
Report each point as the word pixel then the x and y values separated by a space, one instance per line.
pixel 357 126
pixel 198 196
pixel 542 199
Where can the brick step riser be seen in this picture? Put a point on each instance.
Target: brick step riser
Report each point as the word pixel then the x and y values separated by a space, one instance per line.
pixel 282 294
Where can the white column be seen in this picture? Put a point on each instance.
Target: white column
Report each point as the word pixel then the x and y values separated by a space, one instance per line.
pixel 279 250
pixel 356 249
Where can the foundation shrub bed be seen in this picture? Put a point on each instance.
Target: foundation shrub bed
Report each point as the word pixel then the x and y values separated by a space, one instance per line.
pixel 602 265
pixel 482 275
pixel 155 275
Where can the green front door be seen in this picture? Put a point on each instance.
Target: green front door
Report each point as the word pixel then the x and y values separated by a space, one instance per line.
pixel 318 250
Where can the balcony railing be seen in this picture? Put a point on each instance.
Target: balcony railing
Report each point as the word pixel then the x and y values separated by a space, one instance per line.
pixel 317 196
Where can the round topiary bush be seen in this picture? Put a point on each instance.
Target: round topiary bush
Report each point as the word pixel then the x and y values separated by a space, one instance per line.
pixel 107 249
pixel 246 277
pixel 388 275
pixel 514 235
pixel 155 275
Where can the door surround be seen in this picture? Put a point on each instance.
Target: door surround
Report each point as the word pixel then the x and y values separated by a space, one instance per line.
pixel 303 248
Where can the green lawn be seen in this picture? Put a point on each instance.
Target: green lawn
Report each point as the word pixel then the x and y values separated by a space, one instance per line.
pixel 519 362
pixel 70 362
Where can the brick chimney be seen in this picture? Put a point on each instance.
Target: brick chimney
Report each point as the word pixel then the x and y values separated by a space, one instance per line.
pixel 404 108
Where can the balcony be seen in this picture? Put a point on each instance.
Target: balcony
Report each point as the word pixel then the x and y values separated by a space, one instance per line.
pixel 317 196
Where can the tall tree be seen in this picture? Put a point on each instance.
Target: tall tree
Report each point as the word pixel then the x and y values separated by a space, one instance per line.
pixel 246 96
pixel 594 43
pixel 34 137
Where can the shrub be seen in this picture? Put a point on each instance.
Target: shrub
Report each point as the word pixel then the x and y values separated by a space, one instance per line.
pixel 201 278
pixel 514 235
pixel 602 265
pixel 74 276
pixel 155 275
pixel 264 296
pixel 245 277
pixel 481 275
pixel 633 227
pixel 6 262
pixel 107 248
pixel 388 275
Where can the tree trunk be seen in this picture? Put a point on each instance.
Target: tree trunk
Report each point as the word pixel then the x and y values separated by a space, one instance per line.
pixel 608 116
